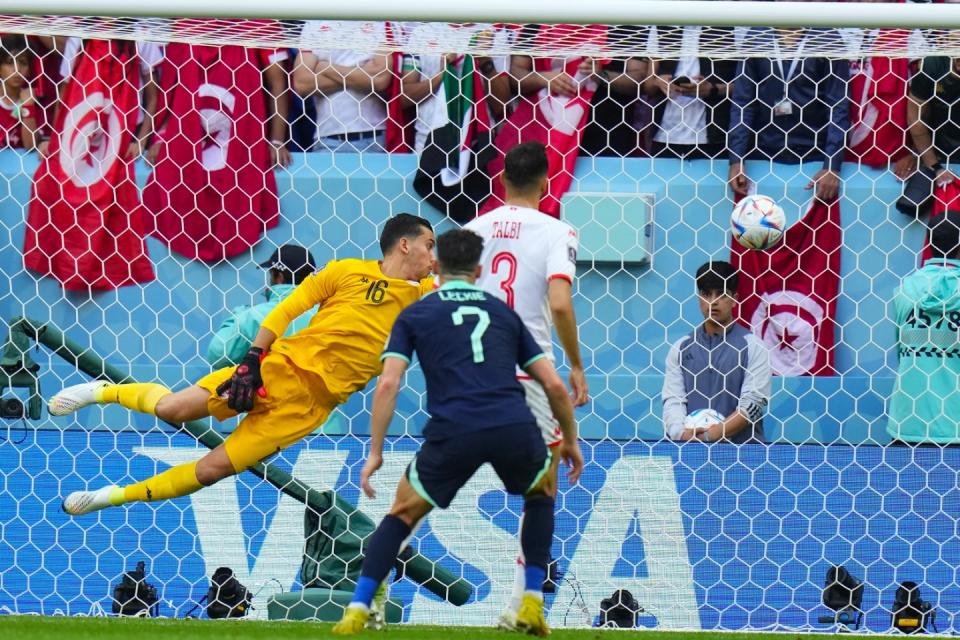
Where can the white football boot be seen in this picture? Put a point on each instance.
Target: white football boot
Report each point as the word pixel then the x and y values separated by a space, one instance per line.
pixel 79 503
pixel 74 398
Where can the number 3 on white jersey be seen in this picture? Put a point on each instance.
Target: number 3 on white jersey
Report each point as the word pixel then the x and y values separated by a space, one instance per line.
pixel 507 262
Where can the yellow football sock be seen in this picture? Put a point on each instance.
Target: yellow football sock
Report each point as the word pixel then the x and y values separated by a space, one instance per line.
pixel 180 480
pixel 138 396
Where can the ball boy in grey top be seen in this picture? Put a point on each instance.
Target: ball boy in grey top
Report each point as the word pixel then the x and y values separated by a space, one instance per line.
pixel 720 366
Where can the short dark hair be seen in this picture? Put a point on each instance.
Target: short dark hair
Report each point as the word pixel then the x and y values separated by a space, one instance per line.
pixel 13 45
pixel 458 251
pixel 717 275
pixel 525 165
pixel 402 225
pixel 945 235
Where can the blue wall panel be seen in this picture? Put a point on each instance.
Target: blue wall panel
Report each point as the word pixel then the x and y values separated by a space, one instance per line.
pixel 757 527
pixel 335 203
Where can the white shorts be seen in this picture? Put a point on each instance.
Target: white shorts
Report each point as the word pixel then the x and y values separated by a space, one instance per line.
pixel 540 406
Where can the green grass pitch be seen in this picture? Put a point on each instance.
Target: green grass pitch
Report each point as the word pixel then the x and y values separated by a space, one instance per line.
pixel 73 628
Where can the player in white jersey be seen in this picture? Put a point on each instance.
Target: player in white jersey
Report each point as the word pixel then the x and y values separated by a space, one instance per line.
pixel 529 262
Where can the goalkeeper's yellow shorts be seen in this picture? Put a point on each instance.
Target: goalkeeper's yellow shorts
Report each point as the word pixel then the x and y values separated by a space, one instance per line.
pixel 297 402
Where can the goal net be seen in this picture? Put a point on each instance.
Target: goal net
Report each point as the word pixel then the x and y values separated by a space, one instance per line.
pixel 157 173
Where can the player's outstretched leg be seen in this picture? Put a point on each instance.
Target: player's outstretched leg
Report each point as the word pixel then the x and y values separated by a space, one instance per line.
pixel 157 400
pixel 394 531
pixel 177 481
pixel 142 397
pixel 535 539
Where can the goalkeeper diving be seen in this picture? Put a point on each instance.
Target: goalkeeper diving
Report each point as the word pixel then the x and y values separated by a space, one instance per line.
pixel 285 386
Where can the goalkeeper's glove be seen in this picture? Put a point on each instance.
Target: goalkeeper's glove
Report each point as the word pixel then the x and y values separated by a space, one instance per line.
pixel 245 382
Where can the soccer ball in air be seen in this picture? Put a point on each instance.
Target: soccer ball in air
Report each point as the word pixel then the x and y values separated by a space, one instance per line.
pixel 757 222
pixel 702 418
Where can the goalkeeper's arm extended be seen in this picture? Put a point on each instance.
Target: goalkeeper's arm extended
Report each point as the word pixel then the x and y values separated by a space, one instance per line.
pixel 246 382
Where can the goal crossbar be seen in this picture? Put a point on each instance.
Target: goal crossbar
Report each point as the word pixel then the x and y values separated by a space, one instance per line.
pixel 677 12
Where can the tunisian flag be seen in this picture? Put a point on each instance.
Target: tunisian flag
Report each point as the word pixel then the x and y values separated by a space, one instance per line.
pixel 556 121
pixel 212 193
pixel 878 106
pixel 788 294
pixel 84 226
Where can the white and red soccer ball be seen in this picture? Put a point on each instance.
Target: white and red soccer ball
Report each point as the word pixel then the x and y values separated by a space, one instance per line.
pixel 757 222
pixel 702 418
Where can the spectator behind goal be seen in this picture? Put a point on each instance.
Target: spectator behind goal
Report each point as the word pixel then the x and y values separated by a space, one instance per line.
pixel 288 266
pixel 690 96
pixel 721 365
pixel 553 107
pixel 925 405
pixel 18 111
pixel 346 86
pixel 933 113
pixel 611 129
pixel 457 100
pixel 789 109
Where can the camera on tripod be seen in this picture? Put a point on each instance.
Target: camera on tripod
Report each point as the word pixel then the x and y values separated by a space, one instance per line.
pixel 843 593
pixel 18 371
pixel 911 613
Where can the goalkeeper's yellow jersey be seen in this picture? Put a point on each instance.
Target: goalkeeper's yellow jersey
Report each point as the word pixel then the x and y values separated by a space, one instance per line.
pixel 344 340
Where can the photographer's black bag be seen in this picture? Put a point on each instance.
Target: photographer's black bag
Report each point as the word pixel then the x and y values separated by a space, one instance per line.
pixel 134 596
pixel 226 597
pixel 619 610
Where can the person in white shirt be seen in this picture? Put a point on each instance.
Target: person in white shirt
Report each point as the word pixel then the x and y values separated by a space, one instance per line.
pixel 347 86
pixel 529 262
pixel 689 94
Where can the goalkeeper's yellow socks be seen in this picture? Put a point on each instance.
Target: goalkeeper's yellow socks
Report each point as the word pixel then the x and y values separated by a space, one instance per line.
pixel 138 396
pixel 180 480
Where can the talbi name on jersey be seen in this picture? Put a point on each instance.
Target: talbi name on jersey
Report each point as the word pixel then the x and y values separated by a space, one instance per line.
pixel 507 229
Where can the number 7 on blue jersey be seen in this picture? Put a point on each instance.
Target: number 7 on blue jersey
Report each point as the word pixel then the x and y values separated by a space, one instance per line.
pixel 476 336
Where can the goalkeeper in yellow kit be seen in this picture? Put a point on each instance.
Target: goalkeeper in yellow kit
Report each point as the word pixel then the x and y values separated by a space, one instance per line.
pixel 286 386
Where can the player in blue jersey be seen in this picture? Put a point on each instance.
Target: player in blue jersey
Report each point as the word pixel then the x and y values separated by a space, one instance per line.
pixel 469 344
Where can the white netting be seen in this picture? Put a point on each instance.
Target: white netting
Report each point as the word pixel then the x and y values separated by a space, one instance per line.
pixel 144 184
pixel 593 40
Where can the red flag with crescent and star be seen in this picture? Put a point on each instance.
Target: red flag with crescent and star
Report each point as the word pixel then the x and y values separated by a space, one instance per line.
pixel 788 293
pixel 84 225
pixel 213 192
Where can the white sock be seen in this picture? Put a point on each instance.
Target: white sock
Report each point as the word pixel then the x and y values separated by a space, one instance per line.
pixel 519 585
pixel 359 605
pixel 536 594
